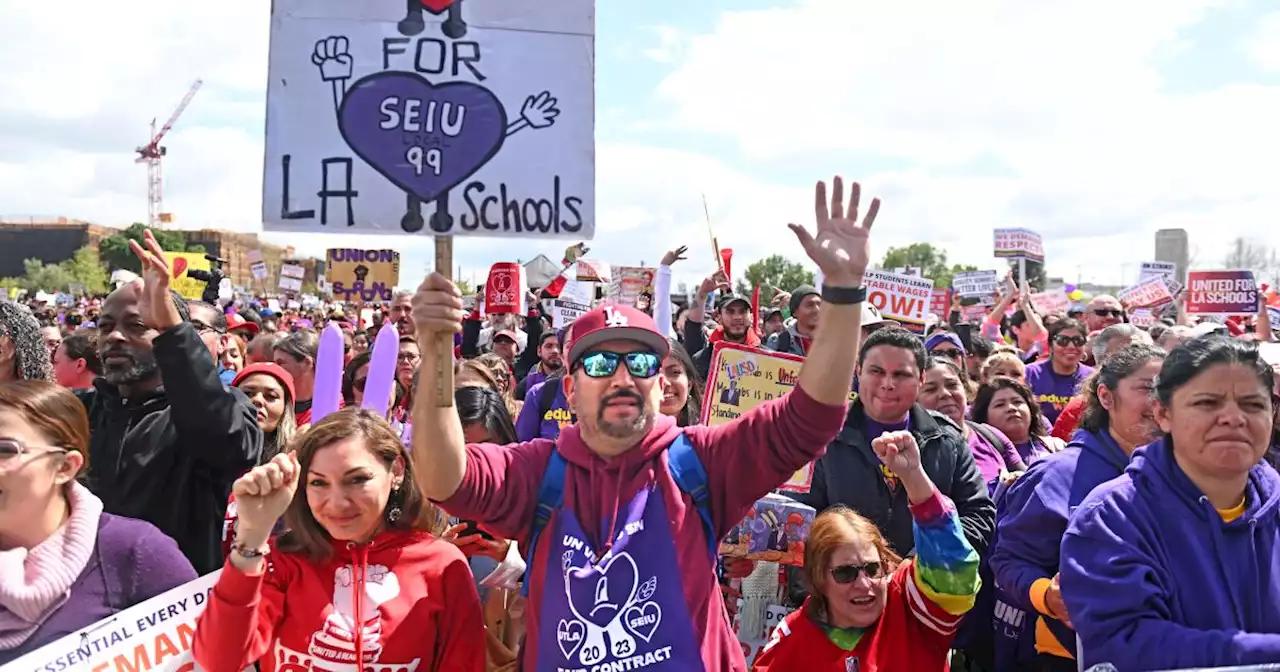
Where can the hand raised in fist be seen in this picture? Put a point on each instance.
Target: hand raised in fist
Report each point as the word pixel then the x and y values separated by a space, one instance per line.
pixel 437 307
pixel 263 494
pixel 333 56
pixel 898 451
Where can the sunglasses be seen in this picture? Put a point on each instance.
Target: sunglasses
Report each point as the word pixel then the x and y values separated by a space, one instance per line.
pixel 13 448
pixel 949 353
pixel 1108 312
pixel 845 574
pixel 603 364
pixel 1064 341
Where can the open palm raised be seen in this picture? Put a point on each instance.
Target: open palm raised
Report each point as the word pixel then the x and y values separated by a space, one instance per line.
pixel 841 247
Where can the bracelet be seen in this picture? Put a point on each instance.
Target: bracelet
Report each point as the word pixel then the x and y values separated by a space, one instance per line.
pixel 251 553
pixel 843 296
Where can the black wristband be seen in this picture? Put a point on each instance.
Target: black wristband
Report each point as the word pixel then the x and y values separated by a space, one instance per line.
pixel 843 296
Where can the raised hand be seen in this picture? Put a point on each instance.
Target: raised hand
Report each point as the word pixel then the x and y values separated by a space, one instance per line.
pixel 263 494
pixel 898 451
pixel 333 56
pixel 540 111
pixel 155 305
pixel 437 307
pixel 675 255
pixel 841 247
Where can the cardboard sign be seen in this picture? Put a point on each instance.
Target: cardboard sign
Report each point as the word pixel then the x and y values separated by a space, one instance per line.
pixel 505 290
pixel 182 263
pixel 742 378
pixel 1222 293
pixel 1151 292
pixel 975 284
pixel 362 275
pixel 904 298
pixel 1019 244
pixel 152 636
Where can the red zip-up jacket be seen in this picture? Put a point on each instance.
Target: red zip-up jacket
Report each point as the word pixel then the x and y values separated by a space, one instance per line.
pixel 409 595
pixel 743 459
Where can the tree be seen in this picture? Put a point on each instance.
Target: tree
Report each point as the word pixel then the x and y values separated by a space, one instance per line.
pixel 771 274
pixel 115 253
pixel 931 261
pixel 86 269
pixel 1253 256
pixel 38 276
pixel 465 287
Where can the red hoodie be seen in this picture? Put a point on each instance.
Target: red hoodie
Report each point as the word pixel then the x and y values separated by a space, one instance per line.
pixel 414 593
pixel 744 460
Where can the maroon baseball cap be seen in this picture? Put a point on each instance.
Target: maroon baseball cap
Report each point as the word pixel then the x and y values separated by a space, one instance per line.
pixel 614 323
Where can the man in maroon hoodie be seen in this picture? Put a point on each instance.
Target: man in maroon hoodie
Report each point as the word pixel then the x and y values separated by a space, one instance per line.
pixel 621 569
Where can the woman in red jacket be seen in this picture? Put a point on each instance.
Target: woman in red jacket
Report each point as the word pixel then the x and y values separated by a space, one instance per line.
pixel 869 611
pixel 359 576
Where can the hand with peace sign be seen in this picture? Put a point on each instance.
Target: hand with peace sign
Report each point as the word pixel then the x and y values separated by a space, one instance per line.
pixel 841 247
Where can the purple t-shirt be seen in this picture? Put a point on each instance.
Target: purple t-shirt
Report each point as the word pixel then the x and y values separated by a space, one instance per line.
pixel 1031 450
pixel 1053 391
pixel 991 460
pixel 533 424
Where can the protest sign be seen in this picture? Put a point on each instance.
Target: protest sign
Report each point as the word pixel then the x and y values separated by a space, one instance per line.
pixel 904 298
pixel 590 270
pixel 975 284
pixel 1151 292
pixel 181 264
pixel 1018 244
pixel 291 276
pixel 1231 292
pixel 448 117
pixel 742 378
pixel 362 275
pixel 632 286
pixel 1049 302
pixel 1142 318
pixel 974 313
pixel 257 265
pixel 940 302
pixel 1157 269
pixel 152 636
pixel 505 290
pixel 563 312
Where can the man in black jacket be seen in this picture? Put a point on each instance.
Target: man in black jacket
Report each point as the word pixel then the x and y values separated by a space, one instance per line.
pixel 890 371
pixel 167 439
pixel 734 316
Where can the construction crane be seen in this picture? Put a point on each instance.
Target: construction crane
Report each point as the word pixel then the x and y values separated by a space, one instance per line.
pixel 152 153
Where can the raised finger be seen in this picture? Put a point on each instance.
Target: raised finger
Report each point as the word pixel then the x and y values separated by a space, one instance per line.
pixel 821 211
pixel 871 214
pixel 837 198
pixel 153 245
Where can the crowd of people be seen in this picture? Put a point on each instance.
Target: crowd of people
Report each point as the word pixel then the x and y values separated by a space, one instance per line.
pixel 1024 492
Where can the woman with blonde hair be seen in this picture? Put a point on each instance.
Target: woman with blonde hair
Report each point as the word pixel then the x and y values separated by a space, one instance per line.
pixel 361 555
pixel 867 608
pixel 64 564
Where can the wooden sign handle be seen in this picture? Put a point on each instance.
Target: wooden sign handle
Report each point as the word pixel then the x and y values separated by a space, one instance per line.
pixel 443 351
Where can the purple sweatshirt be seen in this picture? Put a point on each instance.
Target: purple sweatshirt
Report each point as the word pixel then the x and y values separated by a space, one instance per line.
pixel 132 562
pixel 535 423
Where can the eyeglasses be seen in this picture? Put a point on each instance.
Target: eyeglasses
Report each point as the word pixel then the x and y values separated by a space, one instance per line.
pixel 605 364
pixel 13 448
pixel 1108 312
pixel 408 357
pixel 202 328
pixel 949 353
pixel 1065 341
pixel 849 573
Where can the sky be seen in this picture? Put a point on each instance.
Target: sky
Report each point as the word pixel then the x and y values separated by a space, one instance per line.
pixel 1094 123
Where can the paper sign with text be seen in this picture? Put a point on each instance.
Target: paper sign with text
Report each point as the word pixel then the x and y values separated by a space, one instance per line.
pixel 1151 292
pixel 1233 292
pixel 257 265
pixel 1142 318
pixel 563 313
pixel 153 636
pixel 904 298
pixel 1019 244
pixel 1155 269
pixel 975 284
pixel 590 270
pixel 440 118
pixel 1049 302
pixel 505 290
pixel 362 275
pixel 183 283
pixel 632 286
pixel 940 302
pixel 291 276
pixel 742 378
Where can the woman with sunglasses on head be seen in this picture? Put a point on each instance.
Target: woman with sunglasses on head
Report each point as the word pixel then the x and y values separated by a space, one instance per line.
pixel 1054 381
pixel 64 564
pixel 868 609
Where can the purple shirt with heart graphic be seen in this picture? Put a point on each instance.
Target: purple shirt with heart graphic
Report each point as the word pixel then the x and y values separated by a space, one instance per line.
pixel 625 608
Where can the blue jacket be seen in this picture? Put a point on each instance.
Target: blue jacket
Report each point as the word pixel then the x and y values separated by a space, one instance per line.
pixel 1031 519
pixel 1155 580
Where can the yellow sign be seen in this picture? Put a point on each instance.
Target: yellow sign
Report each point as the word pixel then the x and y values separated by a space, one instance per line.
pixel 362 276
pixel 743 378
pixel 184 284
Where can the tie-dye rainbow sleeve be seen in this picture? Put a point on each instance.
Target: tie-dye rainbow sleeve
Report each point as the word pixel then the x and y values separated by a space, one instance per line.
pixel 946 566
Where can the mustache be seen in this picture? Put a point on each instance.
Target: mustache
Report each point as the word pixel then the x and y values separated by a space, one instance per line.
pixel 622 394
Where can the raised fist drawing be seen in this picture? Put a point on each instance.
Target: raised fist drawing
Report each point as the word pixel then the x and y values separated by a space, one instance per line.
pixel 540 111
pixel 333 57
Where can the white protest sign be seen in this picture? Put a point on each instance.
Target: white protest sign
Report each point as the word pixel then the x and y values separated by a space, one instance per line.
pixel 975 284
pixel 1157 269
pixel 575 291
pixel 564 312
pixel 1142 318
pixel 1018 244
pixel 904 298
pixel 256 265
pixel 1150 292
pixel 1050 302
pixel 291 277
pixel 447 117
pixel 155 636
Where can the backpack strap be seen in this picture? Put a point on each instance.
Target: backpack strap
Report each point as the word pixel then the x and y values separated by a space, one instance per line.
pixel 687 471
pixel 547 396
pixel 550 498
pixel 784 341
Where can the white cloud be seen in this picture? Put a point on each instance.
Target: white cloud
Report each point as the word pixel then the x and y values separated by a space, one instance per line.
pixel 667 50
pixel 1264 46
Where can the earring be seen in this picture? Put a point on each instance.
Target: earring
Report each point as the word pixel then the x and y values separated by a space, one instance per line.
pixel 393 511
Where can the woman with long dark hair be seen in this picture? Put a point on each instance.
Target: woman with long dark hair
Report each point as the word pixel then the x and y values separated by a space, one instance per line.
pixel 1009 406
pixel 681 386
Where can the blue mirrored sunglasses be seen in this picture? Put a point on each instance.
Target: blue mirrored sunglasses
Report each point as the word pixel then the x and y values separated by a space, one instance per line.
pixel 603 364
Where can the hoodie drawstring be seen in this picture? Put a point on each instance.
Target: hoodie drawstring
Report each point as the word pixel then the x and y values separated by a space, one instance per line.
pixel 359 567
pixel 613 520
pixel 1215 534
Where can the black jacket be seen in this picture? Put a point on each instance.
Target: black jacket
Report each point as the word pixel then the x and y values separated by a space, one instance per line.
pixel 700 349
pixel 849 474
pixel 525 361
pixel 170 458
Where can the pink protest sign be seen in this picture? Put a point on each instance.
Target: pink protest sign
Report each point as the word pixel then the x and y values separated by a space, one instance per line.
pixel 1221 293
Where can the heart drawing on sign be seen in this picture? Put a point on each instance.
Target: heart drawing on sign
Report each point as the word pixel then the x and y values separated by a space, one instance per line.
pixel 425 138
pixel 643 619
pixel 179 266
pixel 597 595
pixel 570 635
